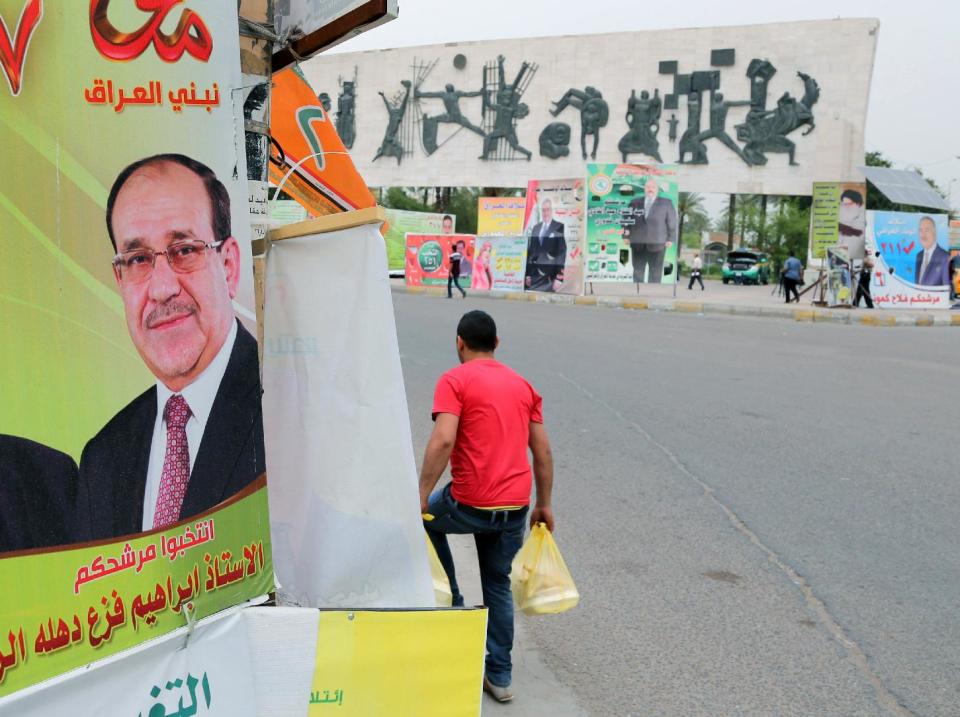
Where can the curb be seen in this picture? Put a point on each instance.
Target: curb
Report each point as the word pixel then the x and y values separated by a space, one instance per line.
pixel 812 315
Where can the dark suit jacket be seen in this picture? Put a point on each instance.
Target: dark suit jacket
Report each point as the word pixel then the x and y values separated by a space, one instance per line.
pixel 938 270
pixel 113 467
pixel 37 489
pixel 545 261
pixel 655 225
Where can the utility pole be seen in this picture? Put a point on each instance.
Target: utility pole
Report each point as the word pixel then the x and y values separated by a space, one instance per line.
pixel 731 217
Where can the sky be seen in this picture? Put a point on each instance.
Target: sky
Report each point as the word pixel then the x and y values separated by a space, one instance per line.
pixel 914 112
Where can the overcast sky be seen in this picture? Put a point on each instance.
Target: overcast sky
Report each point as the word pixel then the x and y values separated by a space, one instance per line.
pixel 914 115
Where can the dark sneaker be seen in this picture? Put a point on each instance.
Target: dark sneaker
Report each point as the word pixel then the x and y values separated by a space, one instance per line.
pixel 500 694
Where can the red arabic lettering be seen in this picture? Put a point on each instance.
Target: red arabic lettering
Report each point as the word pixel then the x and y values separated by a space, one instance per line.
pixel 13 55
pixel 191 34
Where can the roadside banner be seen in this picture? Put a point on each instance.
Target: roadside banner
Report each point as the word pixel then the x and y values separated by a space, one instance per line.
pixel 499 263
pixel 428 258
pixel 344 505
pixel 114 305
pixel 372 663
pixel 913 262
pixel 401 222
pixel 839 277
pixel 207 672
pixel 502 216
pixel 631 223
pixel 838 217
pixel 553 224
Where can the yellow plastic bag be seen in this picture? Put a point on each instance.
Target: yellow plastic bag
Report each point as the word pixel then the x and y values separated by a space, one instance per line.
pixel 540 580
pixel 441 583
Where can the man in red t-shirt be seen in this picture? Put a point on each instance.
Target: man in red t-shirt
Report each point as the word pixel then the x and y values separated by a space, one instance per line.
pixel 486 416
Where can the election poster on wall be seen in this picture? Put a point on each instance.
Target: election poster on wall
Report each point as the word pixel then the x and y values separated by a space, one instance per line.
pixel 130 425
pixel 553 225
pixel 428 258
pixel 631 223
pixel 838 217
pixel 913 262
pixel 401 222
pixel 500 263
pixel 502 216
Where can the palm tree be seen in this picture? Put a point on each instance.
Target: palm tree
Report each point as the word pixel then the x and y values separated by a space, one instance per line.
pixel 689 205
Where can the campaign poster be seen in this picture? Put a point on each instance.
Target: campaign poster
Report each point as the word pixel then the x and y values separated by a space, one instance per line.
pixel 428 258
pixel 839 277
pixel 500 263
pixel 501 216
pixel 631 223
pixel 955 263
pixel 913 261
pixel 401 222
pixel 553 225
pixel 132 489
pixel 838 217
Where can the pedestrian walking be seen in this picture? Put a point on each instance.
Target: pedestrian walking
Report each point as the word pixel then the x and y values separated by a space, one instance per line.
pixel 696 268
pixel 453 277
pixel 485 417
pixel 792 276
pixel 863 282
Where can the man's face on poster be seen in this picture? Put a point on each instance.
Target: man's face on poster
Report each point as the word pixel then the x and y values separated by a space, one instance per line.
pixel 651 190
pixel 928 233
pixel 546 211
pixel 447 225
pixel 178 321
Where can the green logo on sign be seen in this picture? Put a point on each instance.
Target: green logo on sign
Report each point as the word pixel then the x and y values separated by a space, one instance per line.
pixel 430 256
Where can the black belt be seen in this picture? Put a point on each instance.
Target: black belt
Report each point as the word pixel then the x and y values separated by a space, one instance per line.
pixel 491 515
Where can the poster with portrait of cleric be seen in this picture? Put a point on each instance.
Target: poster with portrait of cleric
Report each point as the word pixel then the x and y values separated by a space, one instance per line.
pixel 553 225
pixel 631 223
pixel 132 495
pixel 912 268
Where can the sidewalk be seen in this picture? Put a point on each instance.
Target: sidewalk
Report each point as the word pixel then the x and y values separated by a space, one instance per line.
pixel 730 299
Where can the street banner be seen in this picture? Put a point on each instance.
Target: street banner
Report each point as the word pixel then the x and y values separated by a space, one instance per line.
pixel 322 176
pixel 501 216
pixel 207 672
pixel 913 262
pixel 401 222
pixel 838 218
pixel 428 258
pixel 499 263
pixel 343 493
pixel 131 407
pixel 631 223
pixel 553 225
pixel 839 277
pixel 373 663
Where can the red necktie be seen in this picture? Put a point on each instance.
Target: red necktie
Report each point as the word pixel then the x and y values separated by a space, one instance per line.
pixel 176 463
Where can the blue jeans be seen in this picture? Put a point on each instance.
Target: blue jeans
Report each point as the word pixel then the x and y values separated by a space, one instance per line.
pixel 498 539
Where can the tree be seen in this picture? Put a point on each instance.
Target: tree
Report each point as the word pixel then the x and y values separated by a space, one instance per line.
pixel 693 218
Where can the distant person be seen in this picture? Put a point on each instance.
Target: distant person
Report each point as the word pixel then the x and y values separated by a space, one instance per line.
pixel 486 417
pixel 447 224
pixel 863 282
pixel 933 263
pixel 696 269
pixel 453 277
pixel 650 226
pixel 792 273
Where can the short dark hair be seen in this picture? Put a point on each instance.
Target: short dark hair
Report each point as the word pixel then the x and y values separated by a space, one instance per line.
pixel 446 217
pixel 462 243
pixel 853 195
pixel 478 331
pixel 219 197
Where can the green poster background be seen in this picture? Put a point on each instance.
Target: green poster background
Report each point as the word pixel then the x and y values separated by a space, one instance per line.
pixel 824 218
pixel 610 189
pixel 400 222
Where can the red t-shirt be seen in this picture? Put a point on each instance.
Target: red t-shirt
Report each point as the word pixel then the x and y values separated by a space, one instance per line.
pixel 495 404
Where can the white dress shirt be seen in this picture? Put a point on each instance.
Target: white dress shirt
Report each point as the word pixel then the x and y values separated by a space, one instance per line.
pixel 199 396
pixel 927 255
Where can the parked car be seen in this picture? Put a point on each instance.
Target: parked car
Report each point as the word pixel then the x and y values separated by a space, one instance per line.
pixel 746 266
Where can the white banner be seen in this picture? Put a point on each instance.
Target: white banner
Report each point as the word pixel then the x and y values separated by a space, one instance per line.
pixel 344 504
pixel 209 674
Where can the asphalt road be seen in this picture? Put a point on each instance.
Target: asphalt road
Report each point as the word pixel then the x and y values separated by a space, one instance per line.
pixel 761 515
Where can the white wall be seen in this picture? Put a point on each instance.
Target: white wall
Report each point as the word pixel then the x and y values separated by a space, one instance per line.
pixel 839 54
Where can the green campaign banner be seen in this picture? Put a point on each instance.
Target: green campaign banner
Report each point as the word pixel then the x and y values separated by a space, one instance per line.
pixel 631 223
pixel 401 222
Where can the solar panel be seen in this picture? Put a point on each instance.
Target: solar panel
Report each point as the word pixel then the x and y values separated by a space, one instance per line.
pixel 905 187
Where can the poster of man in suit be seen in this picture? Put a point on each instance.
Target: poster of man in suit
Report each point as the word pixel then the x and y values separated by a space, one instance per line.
pixel 553 225
pixel 632 223
pixel 912 268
